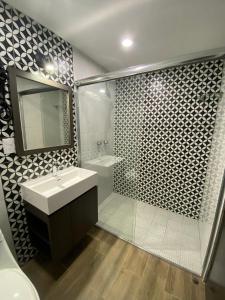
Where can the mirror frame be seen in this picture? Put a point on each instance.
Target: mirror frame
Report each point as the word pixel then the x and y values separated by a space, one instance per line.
pixel 13 73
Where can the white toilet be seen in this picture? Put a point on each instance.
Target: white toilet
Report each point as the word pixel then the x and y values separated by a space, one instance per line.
pixel 14 284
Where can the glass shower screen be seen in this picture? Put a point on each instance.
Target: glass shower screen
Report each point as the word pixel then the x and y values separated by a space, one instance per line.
pixel 99 152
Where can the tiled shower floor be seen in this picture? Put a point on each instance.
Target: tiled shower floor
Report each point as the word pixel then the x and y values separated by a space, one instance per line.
pixel 161 232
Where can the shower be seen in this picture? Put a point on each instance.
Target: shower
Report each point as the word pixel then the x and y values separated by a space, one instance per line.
pixel 155 139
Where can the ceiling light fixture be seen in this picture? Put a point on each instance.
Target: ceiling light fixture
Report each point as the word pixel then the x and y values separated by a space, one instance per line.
pixel 49 68
pixel 102 91
pixel 127 43
pixel 44 62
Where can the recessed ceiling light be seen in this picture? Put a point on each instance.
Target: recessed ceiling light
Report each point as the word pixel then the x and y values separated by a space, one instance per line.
pixel 102 91
pixel 127 43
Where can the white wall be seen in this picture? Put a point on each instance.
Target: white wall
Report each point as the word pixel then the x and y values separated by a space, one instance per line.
pixel 84 66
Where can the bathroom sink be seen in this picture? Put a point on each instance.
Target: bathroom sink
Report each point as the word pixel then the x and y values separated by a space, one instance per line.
pixel 49 193
pixel 103 164
pixel 105 161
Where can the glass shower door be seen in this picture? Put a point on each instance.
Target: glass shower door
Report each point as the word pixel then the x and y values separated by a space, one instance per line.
pixel 99 153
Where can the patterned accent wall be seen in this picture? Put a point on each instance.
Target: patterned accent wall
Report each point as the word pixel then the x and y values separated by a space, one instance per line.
pixel 20 38
pixel 164 123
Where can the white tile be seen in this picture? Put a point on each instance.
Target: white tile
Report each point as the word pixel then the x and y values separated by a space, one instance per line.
pixel 145 212
pixel 161 213
pixel 151 242
pixel 157 252
pixel 172 242
pixel 172 255
pixel 176 218
pixel 188 243
pixel 158 228
pixel 160 220
pixel 141 233
pixel 144 223
pixel 161 232
pixel 173 226
pixel 191 260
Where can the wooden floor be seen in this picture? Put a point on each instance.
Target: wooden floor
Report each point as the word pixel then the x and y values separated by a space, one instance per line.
pixel 105 267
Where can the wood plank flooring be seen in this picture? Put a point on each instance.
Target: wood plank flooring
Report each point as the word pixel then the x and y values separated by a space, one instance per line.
pixel 104 267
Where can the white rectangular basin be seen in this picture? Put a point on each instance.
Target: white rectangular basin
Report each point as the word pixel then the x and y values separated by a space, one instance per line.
pixel 49 193
pixel 105 161
pixel 103 164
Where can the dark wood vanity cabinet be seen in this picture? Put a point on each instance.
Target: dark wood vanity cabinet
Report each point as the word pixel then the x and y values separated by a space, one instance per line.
pixel 59 232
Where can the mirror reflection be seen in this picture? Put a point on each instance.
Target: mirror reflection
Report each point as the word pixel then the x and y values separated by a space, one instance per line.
pixel 44 114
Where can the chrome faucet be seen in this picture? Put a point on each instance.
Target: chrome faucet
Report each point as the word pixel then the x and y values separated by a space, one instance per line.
pixel 55 170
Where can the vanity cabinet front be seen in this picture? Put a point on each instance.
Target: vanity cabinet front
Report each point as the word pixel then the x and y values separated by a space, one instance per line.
pixel 59 232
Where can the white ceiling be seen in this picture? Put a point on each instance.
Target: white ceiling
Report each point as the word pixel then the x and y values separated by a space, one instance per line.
pixel 161 29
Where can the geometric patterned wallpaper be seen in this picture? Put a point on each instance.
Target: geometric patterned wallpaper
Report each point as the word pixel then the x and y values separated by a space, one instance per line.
pixel 20 38
pixel 164 124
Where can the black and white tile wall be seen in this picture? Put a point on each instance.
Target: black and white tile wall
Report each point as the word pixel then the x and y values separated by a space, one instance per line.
pixel 20 38
pixel 164 124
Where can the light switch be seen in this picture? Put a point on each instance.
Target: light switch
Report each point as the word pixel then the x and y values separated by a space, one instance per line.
pixel 8 145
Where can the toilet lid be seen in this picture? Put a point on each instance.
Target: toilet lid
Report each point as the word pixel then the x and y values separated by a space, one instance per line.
pixel 15 285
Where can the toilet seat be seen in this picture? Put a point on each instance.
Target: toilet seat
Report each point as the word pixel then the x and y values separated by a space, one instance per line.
pixel 22 289
pixel 14 284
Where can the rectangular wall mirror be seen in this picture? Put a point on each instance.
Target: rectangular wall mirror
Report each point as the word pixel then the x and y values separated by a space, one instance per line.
pixel 42 111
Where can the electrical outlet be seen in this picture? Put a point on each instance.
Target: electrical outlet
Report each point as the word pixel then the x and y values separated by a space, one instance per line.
pixel 8 145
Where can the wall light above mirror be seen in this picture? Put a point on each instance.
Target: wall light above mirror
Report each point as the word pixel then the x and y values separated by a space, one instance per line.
pixel 42 113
